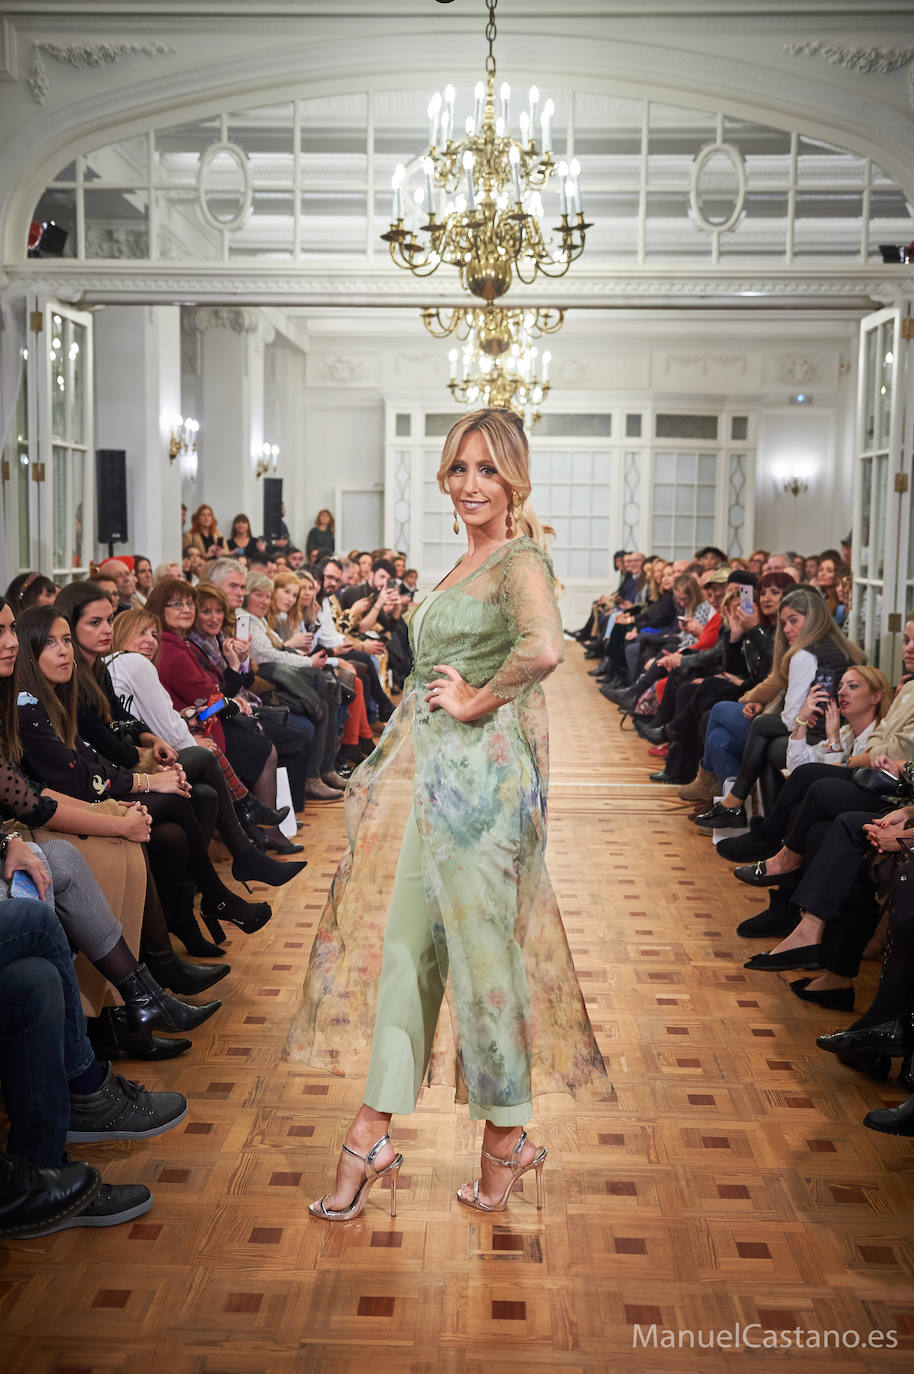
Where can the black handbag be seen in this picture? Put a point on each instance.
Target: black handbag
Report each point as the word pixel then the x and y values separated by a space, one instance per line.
pixel 878 781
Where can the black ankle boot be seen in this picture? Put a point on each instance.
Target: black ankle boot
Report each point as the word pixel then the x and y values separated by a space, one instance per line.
pixel 173 973
pixel 223 905
pixel 255 866
pixel 892 1120
pixel 150 1007
pixel 111 1038
pixel 252 809
pixel 181 921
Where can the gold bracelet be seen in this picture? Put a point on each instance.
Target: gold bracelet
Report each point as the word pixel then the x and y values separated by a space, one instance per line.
pixel 145 777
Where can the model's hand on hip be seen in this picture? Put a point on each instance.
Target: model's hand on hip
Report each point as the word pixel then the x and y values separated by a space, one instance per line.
pixel 450 693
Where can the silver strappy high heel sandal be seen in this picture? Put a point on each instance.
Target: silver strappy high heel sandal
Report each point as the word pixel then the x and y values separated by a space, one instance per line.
pixel 318 1209
pixel 517 1171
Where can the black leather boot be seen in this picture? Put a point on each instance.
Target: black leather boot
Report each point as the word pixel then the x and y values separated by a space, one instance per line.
pixel 251 808
pixel 111 1038
pixel 150 1007
pixel 892 1120
pixel 173 973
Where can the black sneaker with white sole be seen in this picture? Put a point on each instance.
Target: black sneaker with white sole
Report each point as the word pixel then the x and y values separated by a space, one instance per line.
pixel 122 1110
pixel 114 1204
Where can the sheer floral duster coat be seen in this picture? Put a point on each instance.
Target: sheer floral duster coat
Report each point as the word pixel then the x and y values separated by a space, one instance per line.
pixel 518 1024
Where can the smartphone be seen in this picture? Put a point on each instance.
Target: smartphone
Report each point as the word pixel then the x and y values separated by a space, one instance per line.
pixel 213 709
pixel 825 678
pixel 333 662
pixel 22 886
pixel 242 624
pixel 746 599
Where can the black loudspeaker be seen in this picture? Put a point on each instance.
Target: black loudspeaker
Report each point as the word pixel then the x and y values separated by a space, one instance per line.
pixel 272 507
pixel 111 495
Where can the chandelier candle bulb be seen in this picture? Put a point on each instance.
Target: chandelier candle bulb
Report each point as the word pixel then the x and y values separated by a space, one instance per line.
pixel 449 106
pixel 563 192
pixel 396 182
pixel 534 97
pixel 428 168
pixel 514 159
pixel 546 125
pixel 479 92
pixel 468 168
pixel 524 127
pixel 418 197
pixel 575 170
pixel 434 110
pixel 505 93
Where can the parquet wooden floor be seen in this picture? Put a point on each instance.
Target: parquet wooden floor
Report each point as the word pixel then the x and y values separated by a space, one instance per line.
pixel 729 1181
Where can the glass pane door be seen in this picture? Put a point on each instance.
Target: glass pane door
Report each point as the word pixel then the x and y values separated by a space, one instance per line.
pixel 62 377
pixel 882 537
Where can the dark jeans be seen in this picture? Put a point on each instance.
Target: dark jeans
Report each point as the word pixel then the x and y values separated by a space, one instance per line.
pixel 43 1041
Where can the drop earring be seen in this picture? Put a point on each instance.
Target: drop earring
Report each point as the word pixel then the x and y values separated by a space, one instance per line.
pixel 456 525
pixel 511 515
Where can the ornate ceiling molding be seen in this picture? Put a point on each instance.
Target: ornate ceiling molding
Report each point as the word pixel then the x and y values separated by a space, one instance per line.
pixel 82 56
pixel 222 294
pixel 866 61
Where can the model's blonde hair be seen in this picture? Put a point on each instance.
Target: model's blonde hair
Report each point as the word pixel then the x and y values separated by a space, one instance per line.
pixel 506 441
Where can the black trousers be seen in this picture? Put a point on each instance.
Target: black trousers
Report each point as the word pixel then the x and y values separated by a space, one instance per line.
pixel 763 757
pixel 690 701
pixel 895 993
pixel 827 798
pixel 837 887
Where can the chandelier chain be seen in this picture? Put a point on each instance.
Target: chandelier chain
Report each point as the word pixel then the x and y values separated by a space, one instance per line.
pixel 490 35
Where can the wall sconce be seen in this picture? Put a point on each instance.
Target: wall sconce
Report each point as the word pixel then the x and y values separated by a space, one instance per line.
pixel 795 485
pixel 183 437
pixel 267 462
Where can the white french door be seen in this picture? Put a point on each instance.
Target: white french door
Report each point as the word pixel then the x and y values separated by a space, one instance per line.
pixel 57 503
pixel 883 552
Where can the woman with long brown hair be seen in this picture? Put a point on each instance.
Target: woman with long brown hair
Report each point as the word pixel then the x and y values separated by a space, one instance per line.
pixel 457 789
pixel 204 534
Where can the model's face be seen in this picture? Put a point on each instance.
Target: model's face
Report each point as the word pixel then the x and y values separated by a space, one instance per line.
pixel 179 613
pixel 232 586
pixel 285 598
pixel 769 598
pixel 9 642
pixel 479 494
pixel 333 578
pixel 93 629
pixel 145 642
pixel 258 603
pixel 210 617
pixel 144 575
pixel 855 697
pixel 792 622
pixel 55 662
pixel 365 566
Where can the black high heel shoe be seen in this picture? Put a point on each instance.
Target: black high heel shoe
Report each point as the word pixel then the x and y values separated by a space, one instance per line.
pixel 111 1039
pixel 247 916
pixel 182 921
pixel 150 1007
pixel 256 866
pixel 287 846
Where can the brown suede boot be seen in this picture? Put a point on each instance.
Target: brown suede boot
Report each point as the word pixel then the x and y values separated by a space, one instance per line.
pixel 703 787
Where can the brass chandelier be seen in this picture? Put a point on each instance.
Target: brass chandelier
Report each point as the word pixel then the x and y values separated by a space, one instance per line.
pixel 482 197
pixel 500 364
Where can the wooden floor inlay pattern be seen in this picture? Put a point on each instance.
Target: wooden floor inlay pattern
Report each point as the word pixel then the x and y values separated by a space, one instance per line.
pixel 729 1181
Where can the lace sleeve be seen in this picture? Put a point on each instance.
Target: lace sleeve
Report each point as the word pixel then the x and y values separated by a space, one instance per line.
pixel 20 799
pixel 526 598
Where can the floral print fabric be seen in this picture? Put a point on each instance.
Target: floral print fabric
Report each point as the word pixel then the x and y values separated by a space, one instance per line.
pixel 518 1023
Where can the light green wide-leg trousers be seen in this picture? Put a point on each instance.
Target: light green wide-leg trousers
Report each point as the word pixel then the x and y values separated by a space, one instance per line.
pixel 410 993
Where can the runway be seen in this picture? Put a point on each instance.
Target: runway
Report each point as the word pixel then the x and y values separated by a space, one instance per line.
pixel 726 1181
